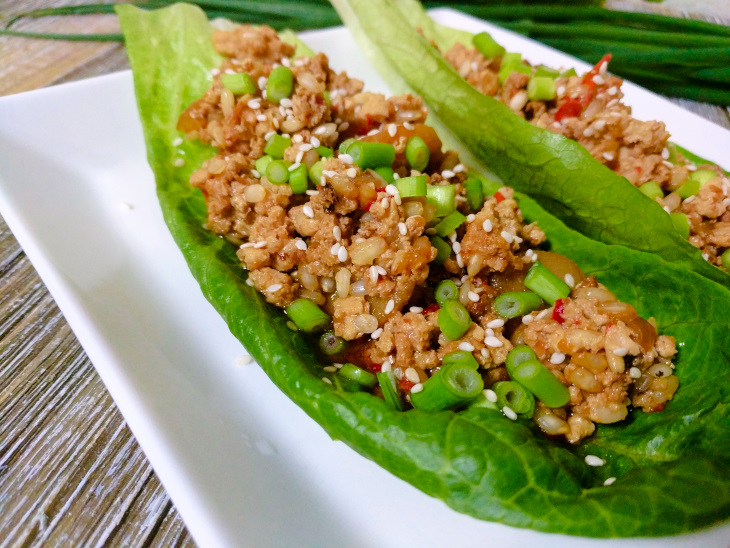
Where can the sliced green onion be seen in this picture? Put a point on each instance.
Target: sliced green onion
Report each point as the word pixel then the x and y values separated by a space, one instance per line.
pixel 453 320
pixel 346 385
pixel 358 375
pixel 487 45
pixel 449 223
pixel 386 172
pixel 517 356
pixel 460 358
pixel 371 155
pixel 652 190
pixel 681 223
pixel 547 72
pixel 280 84
pixel 417 153
pixel 345 145
pixel 262 163
pixel 331 344
pixel 688 188
pixel 541 88
pixel 511 58
pixel 511 394
pixel 451 386
pixel 315 172
pixel 538 379
pixel 490 187
pixel 389 387
pixel 276 145
pixel 442 197
pixel 516 303
pixel 412 187
pixel 298 179
pixel 443 250
pixel 325 152
pixel 446 290
pixel 481 401
pixel 474 193
pixel 508 68
pixel 307 316
pixel 546 284
pixel 277 172
pixel 568 73
pixel 725 258
pixel 240 83
pixel 327 99
pixel 703 175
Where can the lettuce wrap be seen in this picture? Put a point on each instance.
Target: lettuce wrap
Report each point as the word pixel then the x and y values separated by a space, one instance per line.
pixel 547 166
pixel 665 464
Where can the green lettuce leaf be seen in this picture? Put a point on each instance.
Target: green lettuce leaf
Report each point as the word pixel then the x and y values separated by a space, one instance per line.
pixel 476 461
pixel 558 172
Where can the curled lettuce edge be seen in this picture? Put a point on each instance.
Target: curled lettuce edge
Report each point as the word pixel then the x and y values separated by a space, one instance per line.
pixel 476 461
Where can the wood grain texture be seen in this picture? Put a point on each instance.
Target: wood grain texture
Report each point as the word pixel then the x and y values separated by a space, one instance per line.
pixel 71 473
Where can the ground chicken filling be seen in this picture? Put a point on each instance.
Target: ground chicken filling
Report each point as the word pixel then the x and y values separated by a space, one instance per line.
pixel 368 252
pixel 588 109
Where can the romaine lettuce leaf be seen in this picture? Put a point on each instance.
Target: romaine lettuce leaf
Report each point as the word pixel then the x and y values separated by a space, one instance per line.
pixel 558 172
pixel 476 461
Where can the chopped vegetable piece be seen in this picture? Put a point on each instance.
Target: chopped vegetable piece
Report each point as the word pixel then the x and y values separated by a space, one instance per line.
pixel 680 222
pixel 453 320
pixel 461 358
pixel 307 316
pixel 688 188
pixel 474 193
pixel 546 284
pixel 331 344
pixel 345 145
pixel 277 172
pixel 517 303
pixel 568 73
pixel 344 384
pixel 547 72
pixel 443 250
pixel 725 258
pixel 358 375
pixel 703 175
pixel 511 57
pixel 516 397
pixel 541 88
pixel 652 190
pixel 446 290
pixel 327 99
pixel 442 197
pixel 371 155
pixel 262 163
pixel 449 223
pixel 490 187
pixel 487 45
pixel 412 187
pixel 538 379
pixel 299 179
pixel 386 172
pixel 517 356
pixel 315 173
pixel 325 152
pixel 482 402
pixel 389 387
pixel 451 386
pixel 280 84
pixel 240 83
pixel 276 145
pixel 417 153
pixel 508 68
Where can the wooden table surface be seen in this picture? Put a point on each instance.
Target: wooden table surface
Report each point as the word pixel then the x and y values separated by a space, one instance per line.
pixel 71 473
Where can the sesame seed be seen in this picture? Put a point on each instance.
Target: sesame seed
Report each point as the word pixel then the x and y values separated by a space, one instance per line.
pixel 375 335
pixel 245 359
pixel 390 306
pixel 402 229
pixel 384 202
pixel 312 192
pixel 452 236
pixel 343 126
pixel 179 162
pixel 319 130
pixel 412 375
pixel 301 244
pixel 259 245
pixel 470 218
pixel 621 351
pixel 373 132
pixel 295 165
pixel 635 372
pixel 608 156
pixel 408 126
pixel 560 91
pixel 458 168
pixel 493 342
pixel 335 249
pixel 490 394
pixel 386 366
pixel 314 142
pixel 466 347
pixel 351 172
pixel 307 210
pixel 456 247
pixel 612 103
pixel 392 130
pixel 273 288
pixel 381 270
pixel 342 254
pixel 598 80
pixel 329 369
pixel 527 319
pixel 447 174
pixel 509 413
pixel 569 280
pixel 254 104
pixel 669 165
pixel 557 358
pixel 609 481
pixel 542 314
pixel 487 225
pixel 665 153
pixel 177 142
pixel 373 272
pixel 291 325
pixel 416 388
pixel 268 135
pixel 459 260
pixel 593 460
pixel 337 232
pixel 473 297
pixel 326 380
pixel 287 103
pixel 391 189
pixel 214 72
pixel 484 353
pixel 345 158
pixel 415 309
pixel 509 238
pixel 396 176
pixel 496 324
pixel 691 167
pixel 249 282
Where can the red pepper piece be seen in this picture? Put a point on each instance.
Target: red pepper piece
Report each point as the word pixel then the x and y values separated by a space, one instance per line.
pixel 405 385
pixel 498 197
pixel 569 109
pixel 558 311
pixel 429 309
pixel 376 367
pixel 588 78
pixel 369 205
pixel 380 189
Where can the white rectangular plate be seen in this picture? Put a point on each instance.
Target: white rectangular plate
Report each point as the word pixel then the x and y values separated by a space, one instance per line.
pixel 244 465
